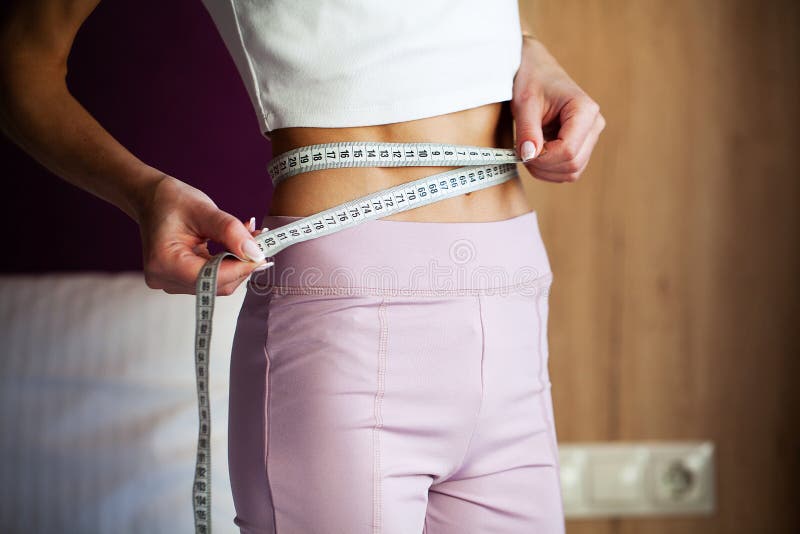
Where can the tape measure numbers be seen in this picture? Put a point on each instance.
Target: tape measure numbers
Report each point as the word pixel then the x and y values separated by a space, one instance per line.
pixel 481 167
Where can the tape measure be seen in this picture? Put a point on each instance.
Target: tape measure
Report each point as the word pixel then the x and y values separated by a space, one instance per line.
pixel 480 167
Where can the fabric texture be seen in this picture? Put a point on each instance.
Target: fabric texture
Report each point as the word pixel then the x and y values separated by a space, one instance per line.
pixel 98 405
pixel 392 378
pixel 359 62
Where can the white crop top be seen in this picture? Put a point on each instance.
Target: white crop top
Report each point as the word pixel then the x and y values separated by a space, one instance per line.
pixel 340 63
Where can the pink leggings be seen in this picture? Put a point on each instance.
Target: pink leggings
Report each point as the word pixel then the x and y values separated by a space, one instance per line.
pixel 392 378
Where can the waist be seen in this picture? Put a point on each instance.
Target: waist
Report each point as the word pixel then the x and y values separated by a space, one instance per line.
pixel 311 192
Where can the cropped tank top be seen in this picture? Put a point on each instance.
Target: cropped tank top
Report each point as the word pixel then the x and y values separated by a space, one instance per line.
pixel 338 63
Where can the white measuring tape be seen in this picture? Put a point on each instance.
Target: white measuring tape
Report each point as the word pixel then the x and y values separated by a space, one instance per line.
pixel 481 167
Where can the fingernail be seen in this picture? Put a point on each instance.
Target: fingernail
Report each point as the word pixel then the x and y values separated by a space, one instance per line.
pixel 252 224
pixel 264 229
pixel 252 251
pixel 528 150
pixel 262 267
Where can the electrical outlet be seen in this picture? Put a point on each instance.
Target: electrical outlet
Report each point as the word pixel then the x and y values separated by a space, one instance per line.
pixel 612 479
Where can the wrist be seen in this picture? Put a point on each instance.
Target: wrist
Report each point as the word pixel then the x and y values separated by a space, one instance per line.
pixel 535 53
pixel 531 42
pixel 141 193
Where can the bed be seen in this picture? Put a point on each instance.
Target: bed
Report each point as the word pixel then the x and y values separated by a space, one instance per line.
pixel 98 415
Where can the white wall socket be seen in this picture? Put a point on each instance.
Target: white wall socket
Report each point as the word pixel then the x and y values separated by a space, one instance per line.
pixel 612 479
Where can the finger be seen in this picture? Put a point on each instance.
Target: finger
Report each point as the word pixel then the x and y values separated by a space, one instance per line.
pixel 230 287
pixel 577 118
pixel 186 263
pixel 183 289
pixel 250 224
pixel 185 266
pixel 527 111
pixel 562 175
pixel 227 230
pixel 201 249
pixel 580 161
pixel 178 289
pixel 177 269
pixel 230 274
pixel 556 177
pixel 233 270
pixel 184 269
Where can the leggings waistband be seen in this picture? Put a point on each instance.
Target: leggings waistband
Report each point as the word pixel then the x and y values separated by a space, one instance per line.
pixel 390 257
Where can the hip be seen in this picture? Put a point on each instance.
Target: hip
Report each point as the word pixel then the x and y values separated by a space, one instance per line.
pixel 423 258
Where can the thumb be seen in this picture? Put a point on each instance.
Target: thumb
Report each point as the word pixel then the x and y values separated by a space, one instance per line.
pixel 528 129
pixel 229 231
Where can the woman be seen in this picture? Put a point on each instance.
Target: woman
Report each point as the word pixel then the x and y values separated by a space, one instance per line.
pixel 413 402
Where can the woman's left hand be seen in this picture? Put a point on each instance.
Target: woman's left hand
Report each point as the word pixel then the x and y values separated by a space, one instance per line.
pixel 550 111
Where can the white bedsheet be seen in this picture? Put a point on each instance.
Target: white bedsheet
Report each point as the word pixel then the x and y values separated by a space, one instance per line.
pixel 98 415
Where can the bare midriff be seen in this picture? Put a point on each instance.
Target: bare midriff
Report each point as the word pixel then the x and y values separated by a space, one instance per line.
pixel 311 192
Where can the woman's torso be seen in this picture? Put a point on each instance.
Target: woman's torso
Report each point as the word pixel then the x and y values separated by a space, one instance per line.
pixel 488 125
pixel 356 70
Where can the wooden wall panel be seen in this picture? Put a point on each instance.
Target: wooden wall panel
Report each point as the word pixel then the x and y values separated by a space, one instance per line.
pixel 674 308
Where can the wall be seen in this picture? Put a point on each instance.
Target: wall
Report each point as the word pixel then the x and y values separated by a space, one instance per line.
pixel 674 307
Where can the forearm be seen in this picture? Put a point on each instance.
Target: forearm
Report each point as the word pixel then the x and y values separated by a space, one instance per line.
pixel 38 112
pixel 533 48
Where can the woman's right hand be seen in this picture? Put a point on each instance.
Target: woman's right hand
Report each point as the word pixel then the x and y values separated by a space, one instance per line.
pixel 175 223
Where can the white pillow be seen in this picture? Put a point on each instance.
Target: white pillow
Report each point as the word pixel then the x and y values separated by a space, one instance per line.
pixel 98 415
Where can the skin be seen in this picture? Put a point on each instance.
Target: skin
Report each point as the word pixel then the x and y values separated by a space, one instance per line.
pixel 177 220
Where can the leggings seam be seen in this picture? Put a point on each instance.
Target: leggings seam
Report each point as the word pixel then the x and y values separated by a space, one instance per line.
pixel 266 451
pixel 383 341
pixel 544 389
